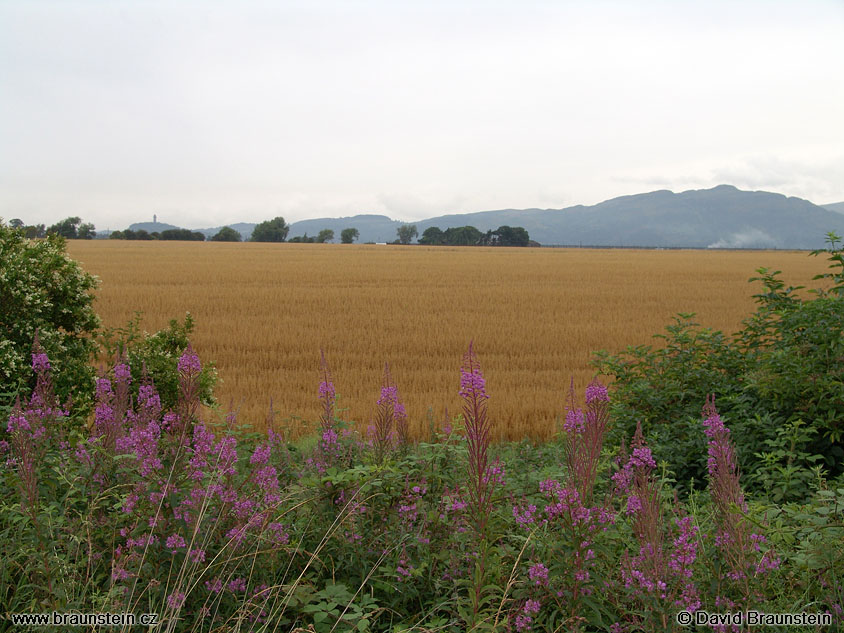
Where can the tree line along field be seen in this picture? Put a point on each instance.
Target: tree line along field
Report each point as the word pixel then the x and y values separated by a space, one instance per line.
pixel 264 311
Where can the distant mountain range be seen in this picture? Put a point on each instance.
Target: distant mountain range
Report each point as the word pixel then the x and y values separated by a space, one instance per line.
pixel 721 217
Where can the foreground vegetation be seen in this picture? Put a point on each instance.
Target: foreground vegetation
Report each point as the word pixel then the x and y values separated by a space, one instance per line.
pixel 213 528
pixel 658 499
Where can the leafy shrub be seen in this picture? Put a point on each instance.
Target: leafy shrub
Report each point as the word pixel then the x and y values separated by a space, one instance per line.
pixel 154 510
pixel 153 358
pixel 783 370
pixel 44 292
pixel 274 230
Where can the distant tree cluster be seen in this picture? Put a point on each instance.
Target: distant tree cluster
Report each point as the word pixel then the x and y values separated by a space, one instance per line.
pixel 274 230
pixel 406 233
pixel 506 236
pixel 227 234
pixel 470 236
pixel 183 235
pixel 129 234
pixel 72 228
pixel 348 236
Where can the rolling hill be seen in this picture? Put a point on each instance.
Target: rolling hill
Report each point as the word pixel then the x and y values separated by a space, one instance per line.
pixel 721 217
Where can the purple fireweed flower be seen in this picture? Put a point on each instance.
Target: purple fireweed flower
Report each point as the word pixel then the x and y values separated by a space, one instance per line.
pixel 143 441
pixel 634 504
pixel 532 607
pixel 538 574
pixel 122 373
pixel 175 600
pixel 227 455
pixel 326 391
pixel 495 474
pixel 585 431
pixel 523 622
pixel 129 503
pixel 388 406
pixel 685 547
pixel 278 533
pixel 525 516
pixel 149 399
pixel 237 585
pixel 103 388
pixel 738 546
pixel 574 421
pixel 214 586
pixel 261 454
pixel 169 421
pixel 189 362
pixel 642 458
pixel 40 362
pixel 596 392
pixel 327 396
pixel 203 447
pixel 175 542
pixel 18 421
pixel 481 483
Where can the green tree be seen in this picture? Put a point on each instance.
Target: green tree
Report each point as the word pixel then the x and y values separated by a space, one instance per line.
pixel 182 235
pixel 155 357
pixel 347 236
pixel 86 231
pixel 36 230
pixel 116 235
pixel 432 236
pixel 43 291
pixel 140 234
pixel 227 234
pixel 507 236
pixel 16 223
pixel 779 380
pixel 406 232
pixel 463 236
pixel 325 235
pixel 274 230
pixel 67 228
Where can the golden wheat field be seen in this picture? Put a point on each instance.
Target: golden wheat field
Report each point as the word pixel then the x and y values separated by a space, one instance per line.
pixel 264 311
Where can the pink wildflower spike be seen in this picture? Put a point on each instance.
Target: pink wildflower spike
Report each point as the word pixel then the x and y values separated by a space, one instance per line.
pixel 327 395
pixel 585 432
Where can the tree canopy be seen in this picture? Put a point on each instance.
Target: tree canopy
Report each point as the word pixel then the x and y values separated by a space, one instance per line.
pixel 185 235
pixel 470 236
pixel 274 230
pixel 406 232
pixel 347 236
pixel 70 228
pixel 325 235
pixel 45 293
pixel 227 234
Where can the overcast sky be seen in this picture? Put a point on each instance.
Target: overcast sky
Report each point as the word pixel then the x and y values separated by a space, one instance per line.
pixel 208 113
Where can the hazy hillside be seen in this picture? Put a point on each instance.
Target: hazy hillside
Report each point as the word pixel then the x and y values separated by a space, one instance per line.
pixel 373 228
pixel 150 227
pixel 244 228
pixel 722 217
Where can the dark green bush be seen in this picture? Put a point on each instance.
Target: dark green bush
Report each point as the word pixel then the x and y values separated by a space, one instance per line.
pixel 44 292
pixel 154 357
pixel 784 370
